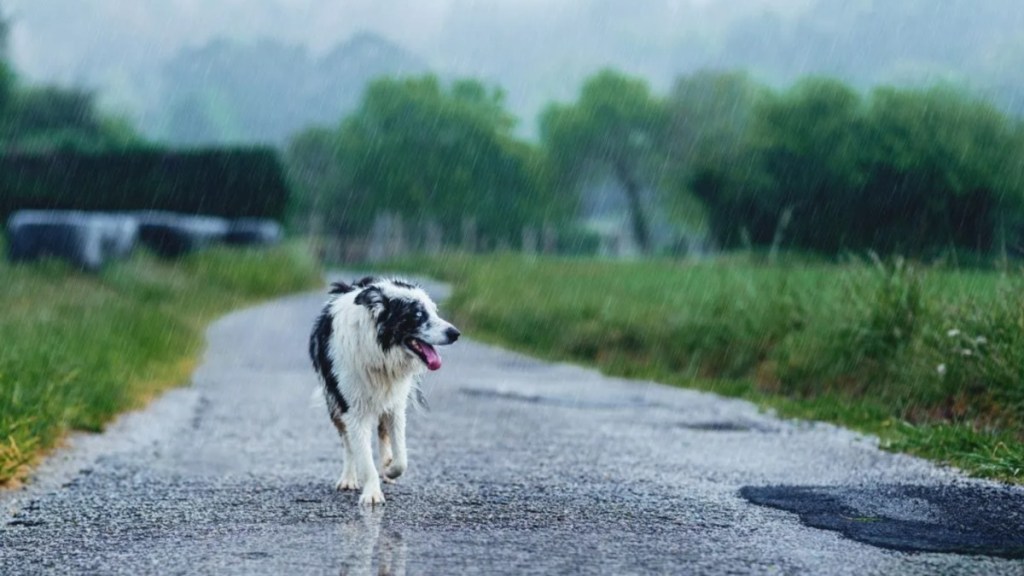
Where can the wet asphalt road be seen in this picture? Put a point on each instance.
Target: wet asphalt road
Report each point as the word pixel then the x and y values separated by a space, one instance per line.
pixel 520 466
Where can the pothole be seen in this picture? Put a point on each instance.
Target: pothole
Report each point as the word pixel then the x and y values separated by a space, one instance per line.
pixel 957 519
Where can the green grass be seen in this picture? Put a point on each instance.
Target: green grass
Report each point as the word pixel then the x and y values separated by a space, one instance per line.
pixel 78 349
pixel 930 360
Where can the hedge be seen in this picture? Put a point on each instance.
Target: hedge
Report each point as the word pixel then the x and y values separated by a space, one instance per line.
pixel 231 183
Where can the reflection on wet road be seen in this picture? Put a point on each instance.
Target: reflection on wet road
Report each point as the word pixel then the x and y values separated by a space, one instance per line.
pixel 368 549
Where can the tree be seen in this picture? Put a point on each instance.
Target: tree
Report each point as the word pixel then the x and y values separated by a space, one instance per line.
pixel 313 167
pixel 824 169
pixel 617 126
pixel 710 114
pixel 8 79
pixel 807 144
pixel 51 117
pixel 42 119
pixel 942 170
pixel 426 152
pixel 792 174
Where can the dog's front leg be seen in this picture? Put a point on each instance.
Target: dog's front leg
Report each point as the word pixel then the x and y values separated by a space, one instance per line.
pixel 384 435
pixel 399 458
pixel 360 436
pixel 349 479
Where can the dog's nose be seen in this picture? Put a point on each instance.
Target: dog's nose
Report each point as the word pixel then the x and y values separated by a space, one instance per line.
pixel 452 334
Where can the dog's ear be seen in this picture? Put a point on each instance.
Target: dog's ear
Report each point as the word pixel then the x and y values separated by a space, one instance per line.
pixel 340 288
pixel 372 298
pixel 365 281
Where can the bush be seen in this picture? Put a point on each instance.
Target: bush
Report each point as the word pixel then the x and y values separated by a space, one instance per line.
pixel 231 183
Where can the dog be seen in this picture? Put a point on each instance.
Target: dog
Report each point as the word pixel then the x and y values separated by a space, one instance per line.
pixel 369 346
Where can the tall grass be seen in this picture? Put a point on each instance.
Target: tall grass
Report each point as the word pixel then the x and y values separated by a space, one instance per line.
pixel 78 349
pixel 932 360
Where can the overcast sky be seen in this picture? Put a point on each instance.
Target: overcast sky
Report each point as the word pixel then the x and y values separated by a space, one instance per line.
pixel 66 39
pixel 538 50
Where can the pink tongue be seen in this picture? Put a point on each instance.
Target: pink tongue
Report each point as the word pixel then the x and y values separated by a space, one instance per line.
pixel 433 360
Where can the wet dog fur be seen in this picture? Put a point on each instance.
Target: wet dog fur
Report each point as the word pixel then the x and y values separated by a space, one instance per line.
pixel 369 345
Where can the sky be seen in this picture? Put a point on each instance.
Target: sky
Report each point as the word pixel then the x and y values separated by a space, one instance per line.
pixel 73 41
pixel 48 42
pixel 538 50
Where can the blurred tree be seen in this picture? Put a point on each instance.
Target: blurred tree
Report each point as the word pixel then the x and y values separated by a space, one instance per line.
pixel 709 113
pixel 943 169
pixel 807 144
pixel 792 174
pixel 430 153
pixel 314 165
pixel 42 119
pixel 8 79
pixel 823 169
pixel 816 167
pixel 49 118
pixel 8 83
pixel 618 126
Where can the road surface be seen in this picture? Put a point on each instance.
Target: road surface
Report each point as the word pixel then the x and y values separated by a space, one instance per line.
pixel 519 466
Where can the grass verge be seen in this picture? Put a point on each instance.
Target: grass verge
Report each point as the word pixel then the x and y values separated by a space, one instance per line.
pixel 79 349
pixel 929 360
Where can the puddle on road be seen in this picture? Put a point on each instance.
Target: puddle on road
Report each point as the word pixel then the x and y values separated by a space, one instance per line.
pixel 727 426
pixel 567 402
pixel 959 519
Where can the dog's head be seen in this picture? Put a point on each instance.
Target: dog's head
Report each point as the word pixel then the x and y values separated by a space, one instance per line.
pixel 405 317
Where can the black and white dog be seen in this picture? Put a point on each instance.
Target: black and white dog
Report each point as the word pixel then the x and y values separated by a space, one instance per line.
pixel 369 344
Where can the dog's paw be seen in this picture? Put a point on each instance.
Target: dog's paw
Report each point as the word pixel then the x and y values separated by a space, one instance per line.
pixel 371 497
pixel 347 483
pixel 391 473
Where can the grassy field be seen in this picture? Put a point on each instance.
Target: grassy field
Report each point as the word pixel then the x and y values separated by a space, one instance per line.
pixel 930 360
pixel 78 349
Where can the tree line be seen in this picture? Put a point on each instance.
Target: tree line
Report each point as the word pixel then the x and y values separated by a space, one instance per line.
pixel 817 166
pixel 40 119
pixel 822 167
